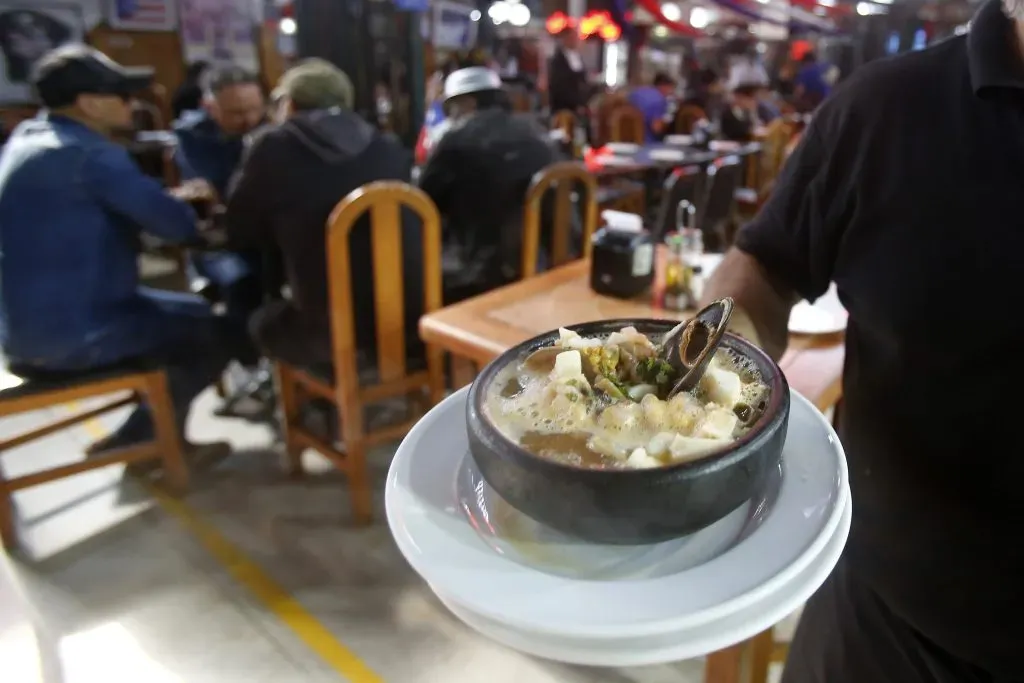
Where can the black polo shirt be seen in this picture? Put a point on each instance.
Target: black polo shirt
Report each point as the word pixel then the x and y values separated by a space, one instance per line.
pixel 907 191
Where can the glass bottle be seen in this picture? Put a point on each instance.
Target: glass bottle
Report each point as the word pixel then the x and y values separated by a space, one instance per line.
pixel 676 296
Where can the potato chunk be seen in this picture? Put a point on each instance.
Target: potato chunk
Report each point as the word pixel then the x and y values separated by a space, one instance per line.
pixel 718 424
pixel 721 386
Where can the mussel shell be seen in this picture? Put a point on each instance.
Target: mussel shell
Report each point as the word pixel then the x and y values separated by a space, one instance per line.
pixel 690 346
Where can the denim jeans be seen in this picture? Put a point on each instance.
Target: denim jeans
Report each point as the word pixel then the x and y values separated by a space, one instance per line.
pixel 239 279
pixel 193 346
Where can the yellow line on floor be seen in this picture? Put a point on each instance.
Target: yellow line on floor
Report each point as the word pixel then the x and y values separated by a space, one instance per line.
pixel 274 597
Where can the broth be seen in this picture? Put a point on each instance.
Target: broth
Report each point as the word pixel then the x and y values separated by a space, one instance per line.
pixel 600 403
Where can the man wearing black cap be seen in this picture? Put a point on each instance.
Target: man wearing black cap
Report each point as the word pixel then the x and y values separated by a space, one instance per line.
pixel 72 204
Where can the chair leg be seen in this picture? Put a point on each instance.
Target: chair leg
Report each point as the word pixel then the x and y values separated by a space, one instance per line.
pixel 359 483
pixel 435 368
pixel 7 535
pixel 288 395
pixel 165 424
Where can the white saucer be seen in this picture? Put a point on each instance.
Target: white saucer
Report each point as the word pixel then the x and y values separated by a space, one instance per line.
pixel 671 646
pixel 622 148
pixel 679 140
pixel 742 564
pixel 824 316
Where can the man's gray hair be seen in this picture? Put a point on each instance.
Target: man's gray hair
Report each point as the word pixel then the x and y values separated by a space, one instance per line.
pixel 217 78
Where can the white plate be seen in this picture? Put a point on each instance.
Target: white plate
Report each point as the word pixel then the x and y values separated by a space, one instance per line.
pixel 679 140
pixel 667 154
pixel 622 147
pixel 824 316
pixel 436 538
pixel 724 146
pixel 672 646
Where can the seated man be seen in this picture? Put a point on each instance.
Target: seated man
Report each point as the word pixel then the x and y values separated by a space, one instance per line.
pixel 739 119
pixel 653 102
pixel 210 146
pixel 72 205
pixel 293 176
pixel 478 175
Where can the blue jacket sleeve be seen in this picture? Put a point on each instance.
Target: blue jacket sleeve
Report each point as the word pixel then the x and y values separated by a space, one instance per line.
pixel 113 178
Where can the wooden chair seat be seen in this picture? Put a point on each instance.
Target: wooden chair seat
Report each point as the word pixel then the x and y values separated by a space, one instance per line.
pixel 47 390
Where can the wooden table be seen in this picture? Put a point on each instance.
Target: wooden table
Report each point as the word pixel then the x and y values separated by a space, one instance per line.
pixel 481 328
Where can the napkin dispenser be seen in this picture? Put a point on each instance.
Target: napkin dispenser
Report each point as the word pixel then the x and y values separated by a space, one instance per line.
pixel 622 257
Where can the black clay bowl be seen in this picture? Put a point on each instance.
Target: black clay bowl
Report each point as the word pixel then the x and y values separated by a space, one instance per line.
pixel 629 507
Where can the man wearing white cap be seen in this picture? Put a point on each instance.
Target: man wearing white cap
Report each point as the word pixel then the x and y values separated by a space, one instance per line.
pixel 478 174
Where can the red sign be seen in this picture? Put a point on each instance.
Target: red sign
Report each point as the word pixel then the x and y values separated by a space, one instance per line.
pixel 593 23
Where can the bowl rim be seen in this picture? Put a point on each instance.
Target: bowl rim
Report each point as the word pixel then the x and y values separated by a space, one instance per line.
pixel 717 459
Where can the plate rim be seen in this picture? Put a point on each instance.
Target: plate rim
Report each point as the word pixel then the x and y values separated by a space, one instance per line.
pixel 738 602
pixel 801 589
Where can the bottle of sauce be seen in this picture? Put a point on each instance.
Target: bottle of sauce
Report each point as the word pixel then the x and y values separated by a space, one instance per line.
pixel 676 296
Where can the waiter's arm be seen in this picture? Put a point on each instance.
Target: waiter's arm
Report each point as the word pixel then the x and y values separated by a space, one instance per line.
pixel 789 251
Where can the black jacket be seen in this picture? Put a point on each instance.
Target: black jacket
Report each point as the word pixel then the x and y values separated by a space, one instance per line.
pixel 567 89
pixel 478 175
pixel 292 177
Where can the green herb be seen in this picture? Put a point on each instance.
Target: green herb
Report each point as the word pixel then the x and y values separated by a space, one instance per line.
pixel 655 371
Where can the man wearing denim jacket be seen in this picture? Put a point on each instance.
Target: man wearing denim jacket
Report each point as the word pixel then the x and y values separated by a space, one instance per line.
pixel 72 206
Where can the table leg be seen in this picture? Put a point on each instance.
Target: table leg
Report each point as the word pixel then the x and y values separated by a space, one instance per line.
pixel 746 662
pixel 463 372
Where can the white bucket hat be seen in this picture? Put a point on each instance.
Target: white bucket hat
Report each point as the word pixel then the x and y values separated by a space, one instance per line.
pixel 470 80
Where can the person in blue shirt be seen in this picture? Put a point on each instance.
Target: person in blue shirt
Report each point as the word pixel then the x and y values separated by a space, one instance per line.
pixel 812 84
pixel 653 102
pixel 72 207
pixel 211 141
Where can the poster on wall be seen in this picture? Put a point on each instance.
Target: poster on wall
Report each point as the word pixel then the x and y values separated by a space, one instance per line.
pixel 454 28
pixel 141 15
pixel 28 30
pixel 218 32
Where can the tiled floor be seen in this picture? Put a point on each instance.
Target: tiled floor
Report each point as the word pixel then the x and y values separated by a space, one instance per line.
pixel 130 591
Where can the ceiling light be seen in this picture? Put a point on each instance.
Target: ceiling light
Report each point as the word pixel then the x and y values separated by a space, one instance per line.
pixel 519 15
pixel 287 26
pixel 671 11
pixel 699 17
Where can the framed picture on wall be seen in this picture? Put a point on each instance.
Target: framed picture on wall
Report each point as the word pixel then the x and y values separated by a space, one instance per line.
pixel 142 15
pixel 28 30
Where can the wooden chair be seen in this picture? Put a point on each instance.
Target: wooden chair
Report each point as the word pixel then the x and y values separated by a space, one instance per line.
pixel 686 118
pixel 384 202
pixel 560 177
pixel 627 125
pixel 622 194
pixel 149 386
pixel 565 121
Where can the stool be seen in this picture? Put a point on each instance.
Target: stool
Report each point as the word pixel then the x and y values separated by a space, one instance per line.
pixel 148 386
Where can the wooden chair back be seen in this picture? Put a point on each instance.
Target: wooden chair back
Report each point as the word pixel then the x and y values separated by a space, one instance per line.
pixel 342 386
pixel 565 121
pixel 384 202
pixel 563 178
pixel 686 118
pixel 773 151
pixel 627 125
